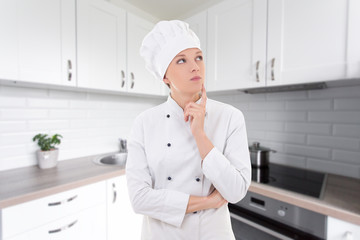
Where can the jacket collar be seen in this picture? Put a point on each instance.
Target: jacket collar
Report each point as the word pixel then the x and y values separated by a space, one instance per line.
pixel 175 108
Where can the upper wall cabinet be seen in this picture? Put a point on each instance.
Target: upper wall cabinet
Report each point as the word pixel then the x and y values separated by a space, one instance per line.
pixel 140 80
pixel 264 43
pixel 308 41
pixel 37 41
pixel 101 45
pixel 236 47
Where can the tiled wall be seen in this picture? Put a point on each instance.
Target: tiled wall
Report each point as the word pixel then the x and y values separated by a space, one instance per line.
pixel 89 123
pixel 317 129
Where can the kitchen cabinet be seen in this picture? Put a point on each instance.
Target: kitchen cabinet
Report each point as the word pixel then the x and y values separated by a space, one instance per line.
pixel 122 222
pixel 88 224
pixel 266 43
pixel 341 230
pixel 37 43
pixel 236 45
pixel 101 45
pixel 72 211
pixel 140 80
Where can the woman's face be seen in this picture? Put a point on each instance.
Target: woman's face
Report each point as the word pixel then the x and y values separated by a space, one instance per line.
pixel 186 72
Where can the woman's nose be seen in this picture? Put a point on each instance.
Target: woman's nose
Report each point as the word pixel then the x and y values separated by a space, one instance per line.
pixel 195 67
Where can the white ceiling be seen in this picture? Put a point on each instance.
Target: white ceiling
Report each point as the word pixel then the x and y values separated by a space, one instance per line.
pixel 171 9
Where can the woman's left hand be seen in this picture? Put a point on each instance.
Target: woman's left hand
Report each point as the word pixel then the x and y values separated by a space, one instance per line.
pixel 196 113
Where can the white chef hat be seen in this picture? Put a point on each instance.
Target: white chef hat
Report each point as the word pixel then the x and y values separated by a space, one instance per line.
pixel 164 42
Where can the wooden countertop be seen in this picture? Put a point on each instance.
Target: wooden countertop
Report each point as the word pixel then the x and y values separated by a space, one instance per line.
pixel 340 199
pixel 30 183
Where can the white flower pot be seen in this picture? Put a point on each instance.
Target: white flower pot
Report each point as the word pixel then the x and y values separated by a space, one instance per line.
pixel 47 159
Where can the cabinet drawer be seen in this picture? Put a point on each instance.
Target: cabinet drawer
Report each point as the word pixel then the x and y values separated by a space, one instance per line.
pixel 89 224
pixel 29 215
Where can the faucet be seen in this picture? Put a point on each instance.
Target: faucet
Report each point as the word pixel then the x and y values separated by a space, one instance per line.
pixel 123 145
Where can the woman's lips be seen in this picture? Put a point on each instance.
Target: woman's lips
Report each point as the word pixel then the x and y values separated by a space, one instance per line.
pixel 196 78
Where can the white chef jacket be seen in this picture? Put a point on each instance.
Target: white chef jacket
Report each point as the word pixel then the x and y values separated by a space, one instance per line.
pixel 164 168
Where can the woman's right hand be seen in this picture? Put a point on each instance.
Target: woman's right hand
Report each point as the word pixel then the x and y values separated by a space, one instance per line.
pixel 215 200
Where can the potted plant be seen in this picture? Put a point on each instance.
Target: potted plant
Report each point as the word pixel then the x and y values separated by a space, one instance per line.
pixel 47 155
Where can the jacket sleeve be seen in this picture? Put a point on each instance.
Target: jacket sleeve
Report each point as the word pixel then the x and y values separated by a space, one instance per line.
pixel 166 205
pixel 230 170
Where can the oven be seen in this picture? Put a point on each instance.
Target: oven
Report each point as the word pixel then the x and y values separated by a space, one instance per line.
pixel 263 218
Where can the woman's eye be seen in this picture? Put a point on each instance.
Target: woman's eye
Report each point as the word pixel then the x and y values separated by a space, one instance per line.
pixel 199 58
pixel 181 61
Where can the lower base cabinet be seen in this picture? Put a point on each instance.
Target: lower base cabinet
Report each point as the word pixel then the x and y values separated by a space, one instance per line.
pixel 341 230
pixel 89 224
pixel 122 222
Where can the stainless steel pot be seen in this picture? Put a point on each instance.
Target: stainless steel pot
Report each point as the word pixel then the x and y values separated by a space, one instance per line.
pixel 259 156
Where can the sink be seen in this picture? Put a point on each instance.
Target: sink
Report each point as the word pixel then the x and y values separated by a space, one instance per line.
pixel 114 159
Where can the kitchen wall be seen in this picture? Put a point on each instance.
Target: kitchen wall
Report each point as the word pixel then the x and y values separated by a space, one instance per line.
pixel 317 129
pixel 90 123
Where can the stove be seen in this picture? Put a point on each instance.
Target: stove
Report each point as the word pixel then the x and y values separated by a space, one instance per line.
pixel 260 217
pixel 298 180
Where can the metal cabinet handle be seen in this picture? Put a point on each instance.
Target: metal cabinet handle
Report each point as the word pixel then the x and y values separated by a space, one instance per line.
pixel 257 71
pixel 69 70
pixel 122 78
pixel 132 80
pixel 62 202
pixel 272 69
pixel 62 228
pixel 114 193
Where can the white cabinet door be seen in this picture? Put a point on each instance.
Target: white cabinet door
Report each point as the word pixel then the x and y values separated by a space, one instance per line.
pixel 236 44
pixel 8 40
pixel 198 23
pixel 353 47
pixel 341 230
pixel 139 79
pixel 307 41
pixel 122 223
pixel 38 41
pixel 89 224
pixel 101 45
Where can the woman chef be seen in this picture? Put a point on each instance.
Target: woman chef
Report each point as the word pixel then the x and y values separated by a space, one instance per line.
pixel 189 156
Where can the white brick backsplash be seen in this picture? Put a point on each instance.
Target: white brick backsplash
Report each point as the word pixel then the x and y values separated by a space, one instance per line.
pixel 335 117
pixel 339 92
pixel 286 137
pixel 308 151
pixel 10 102
pixel 254 115
pixel 265 125
pixel 346 156
pixel 12 126
pixel 67 114
pixel 287 95
pixel 347 130
pixel 286 116
pixel 47 125
pixel 49 103
pixel 53 93
pixel 83 104
pixel 309 105
pixel 315 128
pixel 21 114
pixel 287 159
pixel 334 142
pixel 347 104
pixel 348 170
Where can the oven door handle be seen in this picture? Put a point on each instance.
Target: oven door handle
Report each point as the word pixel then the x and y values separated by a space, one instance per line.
pixel 259 227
